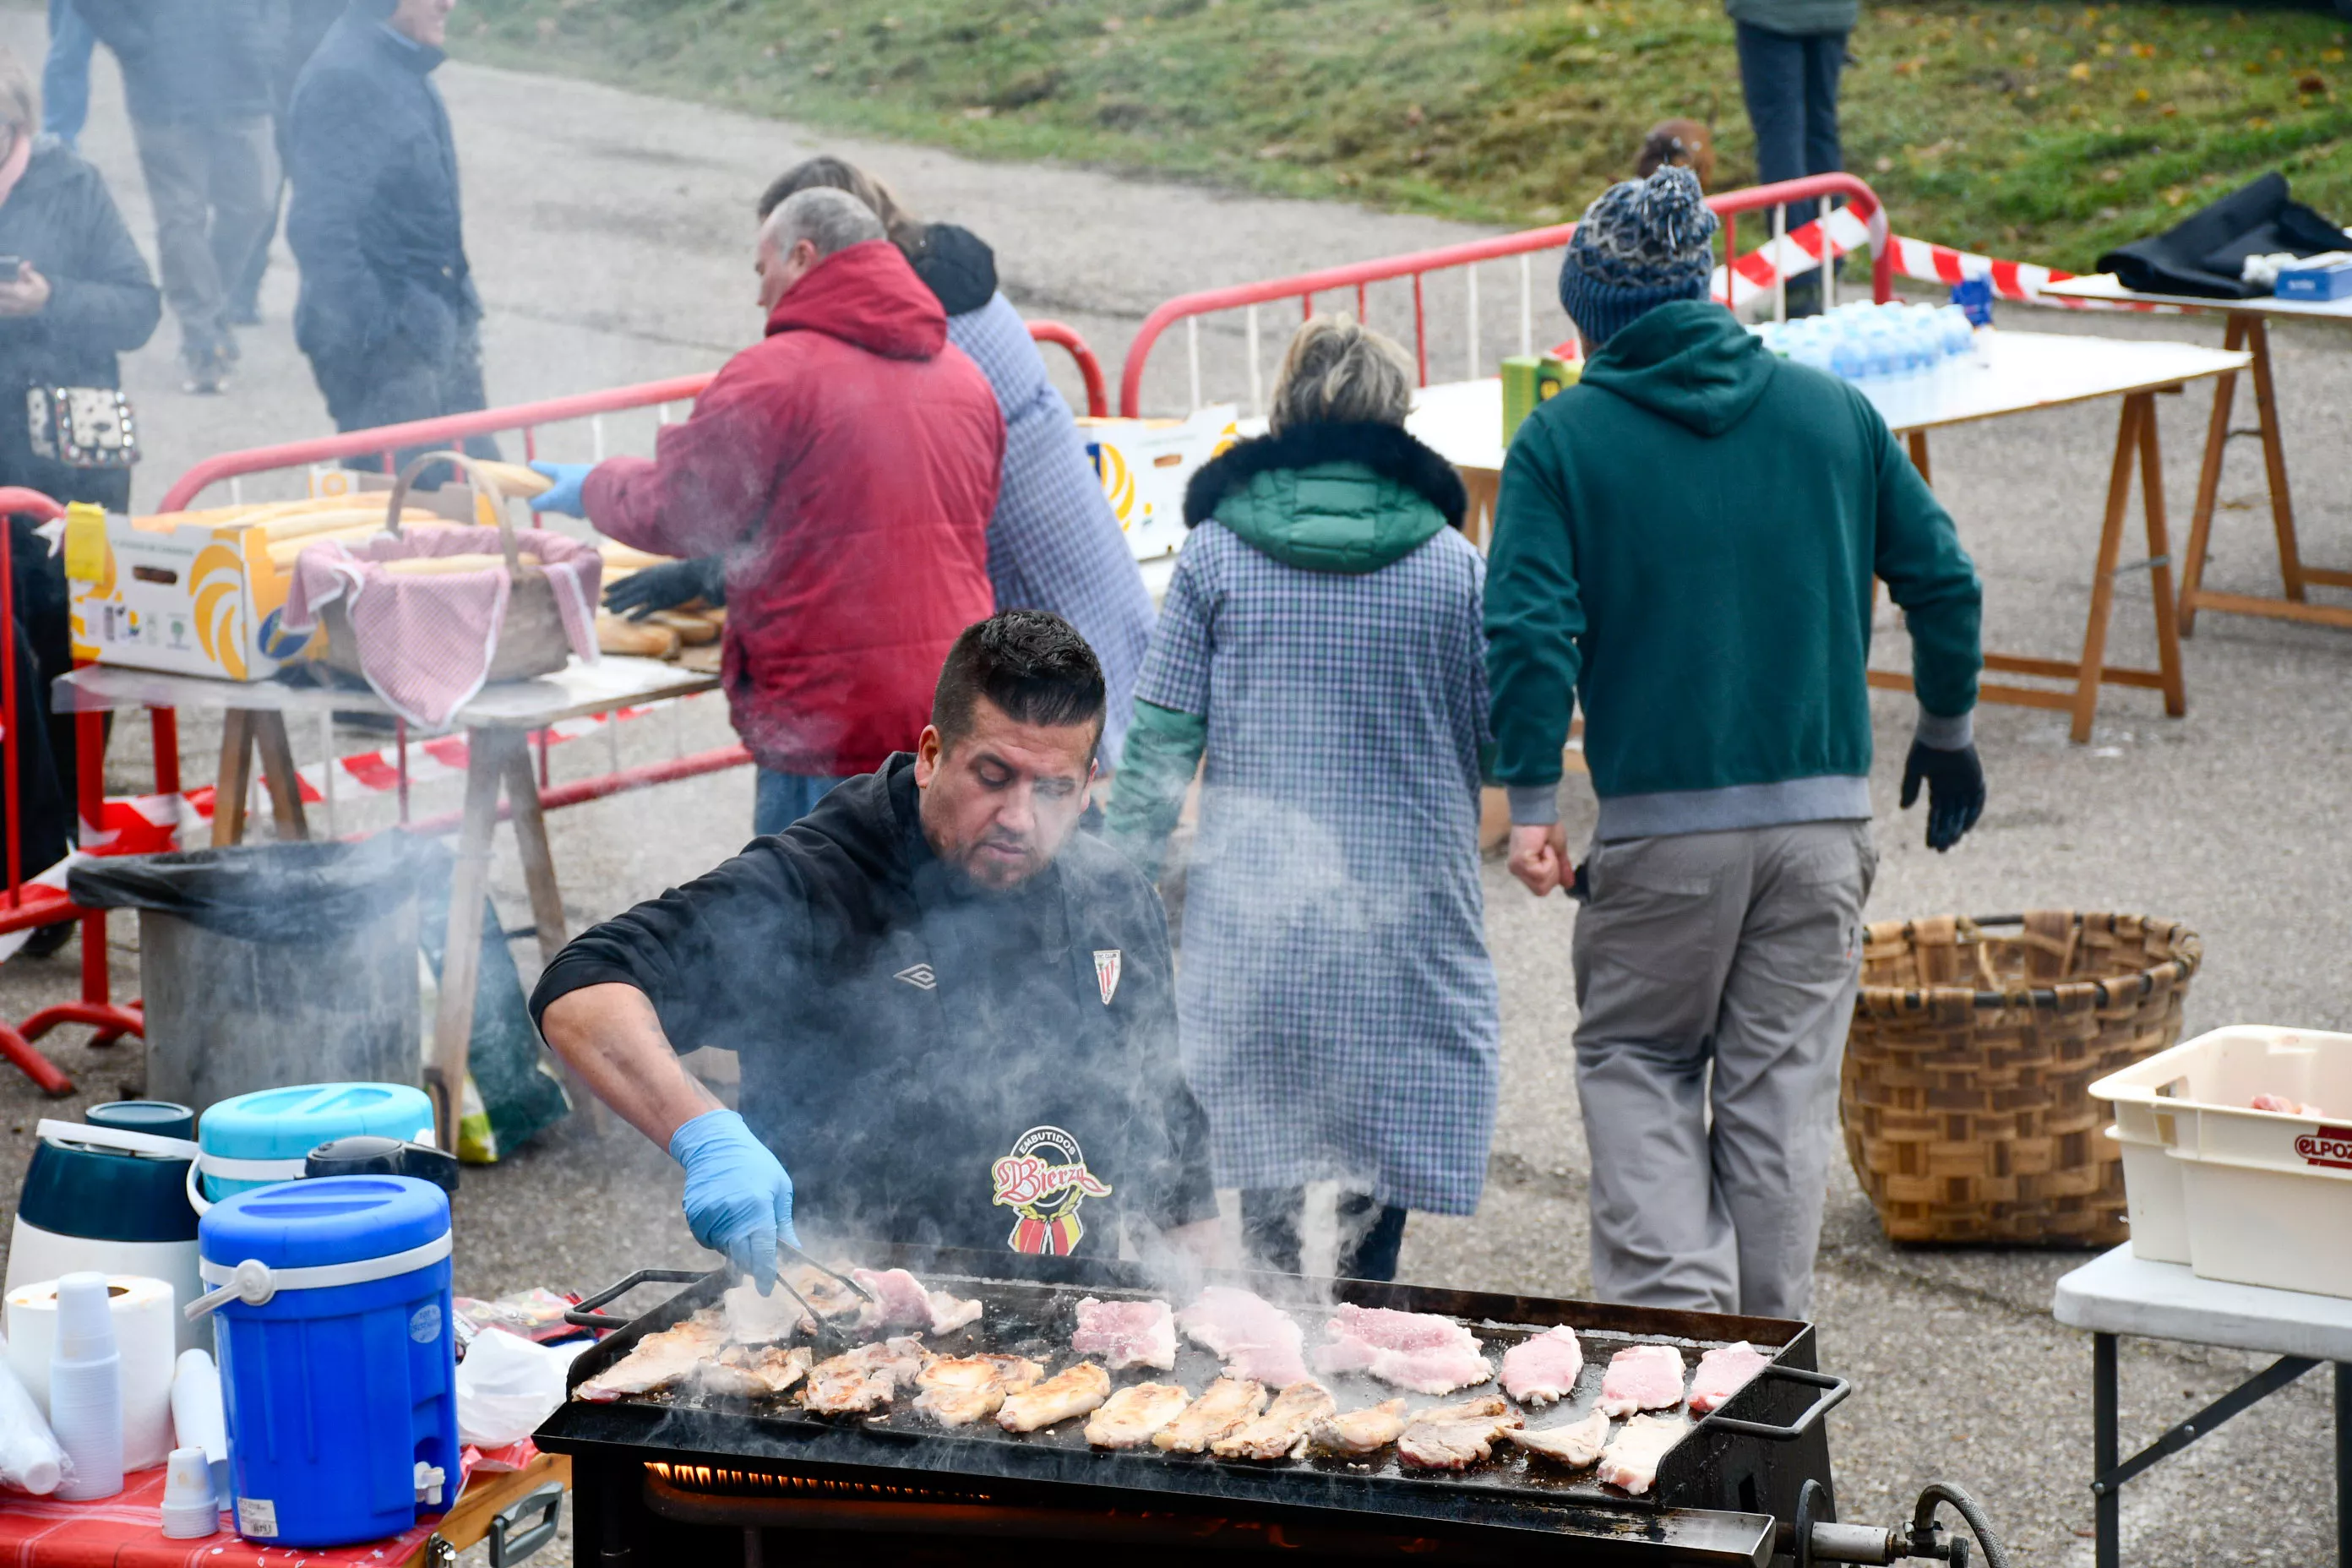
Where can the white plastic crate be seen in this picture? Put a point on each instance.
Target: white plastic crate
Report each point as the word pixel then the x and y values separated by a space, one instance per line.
pixel 2255 1196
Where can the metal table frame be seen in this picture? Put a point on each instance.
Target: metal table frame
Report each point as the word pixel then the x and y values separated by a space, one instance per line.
pixel 2119 1294
pixel 2247 329
pixel 499 780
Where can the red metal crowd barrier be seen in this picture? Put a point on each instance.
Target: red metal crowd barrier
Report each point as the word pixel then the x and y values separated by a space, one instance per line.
pixel 1358 276
pixel 31 906
pixel 525 418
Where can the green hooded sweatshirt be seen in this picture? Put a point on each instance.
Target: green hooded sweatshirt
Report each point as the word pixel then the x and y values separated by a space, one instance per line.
pixel 1685 542
pixel 1338 516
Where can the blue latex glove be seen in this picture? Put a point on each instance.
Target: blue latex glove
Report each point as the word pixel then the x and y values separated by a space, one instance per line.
pixel 564 496
pixel 737 1198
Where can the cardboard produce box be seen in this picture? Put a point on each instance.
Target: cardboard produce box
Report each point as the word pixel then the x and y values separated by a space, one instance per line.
pixel 1145 464
pixel 200 592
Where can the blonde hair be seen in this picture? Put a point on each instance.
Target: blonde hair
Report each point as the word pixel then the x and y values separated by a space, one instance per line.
pixel 1340 372
pixel 20 108
pixel 827 172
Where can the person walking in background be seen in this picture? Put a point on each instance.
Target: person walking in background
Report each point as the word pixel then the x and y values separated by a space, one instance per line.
pixel 1791 52
pixel 195 74
pixel 303 26
pixel 388 312
pixel 1053 542
pixel 845 468
pixel 80 297
pixel 1685 542
pixel 1320 644
pixel 65 74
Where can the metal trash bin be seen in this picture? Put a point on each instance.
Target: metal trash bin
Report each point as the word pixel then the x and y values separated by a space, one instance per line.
pixel 264 965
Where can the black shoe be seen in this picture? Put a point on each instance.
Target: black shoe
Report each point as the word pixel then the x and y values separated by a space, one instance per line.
pixel 46 940
pixel 207 372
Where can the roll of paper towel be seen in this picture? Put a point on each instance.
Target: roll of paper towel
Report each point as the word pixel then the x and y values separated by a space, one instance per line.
pixel 144 1328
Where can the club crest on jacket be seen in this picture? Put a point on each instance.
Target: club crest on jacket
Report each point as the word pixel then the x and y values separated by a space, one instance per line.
pixel 1043 1181
pixel 1106 972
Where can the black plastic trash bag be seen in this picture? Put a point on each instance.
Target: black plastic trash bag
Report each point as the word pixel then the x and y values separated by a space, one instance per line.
pixel 2203 254
pixel 266 892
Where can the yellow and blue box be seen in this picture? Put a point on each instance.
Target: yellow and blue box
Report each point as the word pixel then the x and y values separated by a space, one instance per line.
pixel 1532 379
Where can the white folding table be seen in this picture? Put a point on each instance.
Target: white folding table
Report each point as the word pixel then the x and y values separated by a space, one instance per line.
pixel 498 724
pixel 2022 372
pixel 2119 1294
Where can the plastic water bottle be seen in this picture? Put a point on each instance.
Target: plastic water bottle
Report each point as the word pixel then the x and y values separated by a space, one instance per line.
pixel 1960 333
pixel 86 1389
pixel 1849 359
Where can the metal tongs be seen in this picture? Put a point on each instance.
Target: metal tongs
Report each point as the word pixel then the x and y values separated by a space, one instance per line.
pixel 821 1329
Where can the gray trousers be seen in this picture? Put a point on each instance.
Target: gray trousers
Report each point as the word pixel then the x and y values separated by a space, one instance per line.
pixel 1716 973
pixel 214 186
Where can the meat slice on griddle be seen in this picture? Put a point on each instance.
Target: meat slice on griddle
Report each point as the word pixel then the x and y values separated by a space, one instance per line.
pixel 1282 1429
pixel 1455 1436
pixel 1129 1417
pixel 1641 1377
pixel 1360 1432
pixel 858 1381
pixel 1126 1334
pixel 753 1372
pixel 1073 1392
pixel 1575 1444
pixel 1631 1462
pixel 1543 1369
pixel 1416 1350
pixel 960 1389
pixel 1722 1373
pixel 901 1301
pixel 659 1359
pixel 1224 1406
pixel 1259 1341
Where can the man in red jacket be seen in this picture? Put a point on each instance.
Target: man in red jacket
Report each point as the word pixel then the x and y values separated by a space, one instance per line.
pixel 846 466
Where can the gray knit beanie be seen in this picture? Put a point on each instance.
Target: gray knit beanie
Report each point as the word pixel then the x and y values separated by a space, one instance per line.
pixel 1641 245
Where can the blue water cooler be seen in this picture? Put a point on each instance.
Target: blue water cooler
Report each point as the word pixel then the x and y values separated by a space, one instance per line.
pixel 337 1363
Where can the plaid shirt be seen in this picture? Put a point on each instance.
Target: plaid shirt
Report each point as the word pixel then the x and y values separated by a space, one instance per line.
pixel 1054 544
pixel 1335 1002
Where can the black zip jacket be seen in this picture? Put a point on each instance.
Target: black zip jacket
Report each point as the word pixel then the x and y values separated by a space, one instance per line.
pixel 932 1063
pixel 374 215
pixel 191 61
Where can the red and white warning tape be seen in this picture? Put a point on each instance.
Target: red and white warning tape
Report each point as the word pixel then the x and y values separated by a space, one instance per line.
pixel 1751 278
pixel 150 823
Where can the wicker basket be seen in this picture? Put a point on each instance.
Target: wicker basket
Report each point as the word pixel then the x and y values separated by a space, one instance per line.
pixel 530 640
pixel 1964 1095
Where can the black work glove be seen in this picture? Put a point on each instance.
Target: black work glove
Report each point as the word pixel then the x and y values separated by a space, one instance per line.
pixel 640 593
pixel 1956 791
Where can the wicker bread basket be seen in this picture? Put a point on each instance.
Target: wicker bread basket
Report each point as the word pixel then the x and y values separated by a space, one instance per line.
pixel 530 640
pixel 1964 1091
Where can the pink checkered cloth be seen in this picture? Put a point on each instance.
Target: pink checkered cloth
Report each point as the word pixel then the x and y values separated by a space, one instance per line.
pixel 425 642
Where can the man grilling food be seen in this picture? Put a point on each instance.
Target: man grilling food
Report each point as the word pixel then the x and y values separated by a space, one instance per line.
pixel 955 1016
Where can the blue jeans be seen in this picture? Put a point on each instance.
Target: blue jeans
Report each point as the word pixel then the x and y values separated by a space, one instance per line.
pixel 65 74
pixel 778 799
pixel 1791 86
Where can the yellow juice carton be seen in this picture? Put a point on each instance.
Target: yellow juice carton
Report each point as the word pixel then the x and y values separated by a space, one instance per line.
pixel 1532 379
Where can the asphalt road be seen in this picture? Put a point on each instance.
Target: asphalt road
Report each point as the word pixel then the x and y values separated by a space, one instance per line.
pixel 611 233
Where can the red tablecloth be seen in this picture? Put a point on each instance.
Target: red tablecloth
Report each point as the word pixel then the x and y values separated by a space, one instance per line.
pixel 126 1530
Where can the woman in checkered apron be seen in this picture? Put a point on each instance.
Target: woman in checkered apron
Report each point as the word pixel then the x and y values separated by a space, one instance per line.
pixel 1320 644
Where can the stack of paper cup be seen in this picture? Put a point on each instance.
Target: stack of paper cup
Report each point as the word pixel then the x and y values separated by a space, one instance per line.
pixel 86 1389
pixel 144 1314
pixel 190 1509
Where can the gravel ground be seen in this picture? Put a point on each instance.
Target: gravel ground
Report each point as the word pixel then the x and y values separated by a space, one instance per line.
pixel 611 233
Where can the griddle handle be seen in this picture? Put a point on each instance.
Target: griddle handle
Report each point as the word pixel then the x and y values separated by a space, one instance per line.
pixel 1835 1389
pixel 586 1316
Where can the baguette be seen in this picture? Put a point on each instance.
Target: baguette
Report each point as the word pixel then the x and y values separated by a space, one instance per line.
pixel 513 480
pixel 692 629
pixel 618 634
pixel 619 558
pixel 443 565
pixel 284 552
pixel 347 517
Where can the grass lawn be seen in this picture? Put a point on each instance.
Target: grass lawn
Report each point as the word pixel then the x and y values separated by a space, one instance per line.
pixel 2037 131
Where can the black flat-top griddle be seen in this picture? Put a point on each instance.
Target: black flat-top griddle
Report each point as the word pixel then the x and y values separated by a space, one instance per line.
pixel 648 1468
